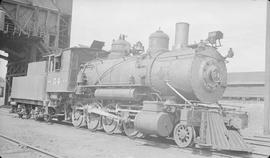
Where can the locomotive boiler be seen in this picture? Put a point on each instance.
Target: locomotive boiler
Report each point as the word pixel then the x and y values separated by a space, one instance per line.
pixel 159 92
pixel 199 73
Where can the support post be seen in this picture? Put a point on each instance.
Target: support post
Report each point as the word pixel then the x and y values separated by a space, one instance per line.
pixel 267 73
pixel 7 89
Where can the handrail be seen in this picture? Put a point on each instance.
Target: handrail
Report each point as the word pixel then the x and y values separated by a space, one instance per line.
pixel 179 94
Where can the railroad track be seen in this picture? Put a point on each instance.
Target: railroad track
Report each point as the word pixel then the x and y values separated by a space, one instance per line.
pixel 258 140
pixel 260 143
pixel 27 146
pixel 154 142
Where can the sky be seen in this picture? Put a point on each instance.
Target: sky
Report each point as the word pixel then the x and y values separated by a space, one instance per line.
pixel 243 23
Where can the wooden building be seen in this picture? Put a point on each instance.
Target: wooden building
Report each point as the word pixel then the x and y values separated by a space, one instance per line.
pixel 31 29
pixel 245 86
pixel 2 90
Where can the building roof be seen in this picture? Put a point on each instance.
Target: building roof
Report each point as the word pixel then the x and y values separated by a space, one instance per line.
pixel 47 4
pixel 244 91
pixel 245 78
pixel 65 6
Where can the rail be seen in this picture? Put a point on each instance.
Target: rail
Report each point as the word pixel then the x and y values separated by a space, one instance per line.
pixel 29 146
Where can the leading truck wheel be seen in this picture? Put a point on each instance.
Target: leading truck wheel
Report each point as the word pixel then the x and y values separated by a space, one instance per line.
pixel 184 135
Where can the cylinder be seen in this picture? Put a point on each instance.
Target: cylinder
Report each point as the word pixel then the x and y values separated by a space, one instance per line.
pixel 181 35
pixel 158 123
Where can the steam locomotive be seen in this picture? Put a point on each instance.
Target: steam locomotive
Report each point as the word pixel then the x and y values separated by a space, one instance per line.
pixel 158 92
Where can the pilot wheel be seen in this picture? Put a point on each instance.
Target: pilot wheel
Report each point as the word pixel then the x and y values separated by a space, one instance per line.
pixel 184 135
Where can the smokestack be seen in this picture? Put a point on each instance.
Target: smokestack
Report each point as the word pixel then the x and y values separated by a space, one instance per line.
pixel 181 35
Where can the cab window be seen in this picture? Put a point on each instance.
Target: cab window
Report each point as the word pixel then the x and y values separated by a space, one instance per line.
pixel 51 64
pixel 57 61
pixel 54 63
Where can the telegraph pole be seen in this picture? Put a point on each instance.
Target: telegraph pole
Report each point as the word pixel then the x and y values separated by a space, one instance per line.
pixel 267 73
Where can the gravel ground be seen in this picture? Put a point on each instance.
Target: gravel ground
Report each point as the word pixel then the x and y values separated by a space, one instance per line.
pixel 70 142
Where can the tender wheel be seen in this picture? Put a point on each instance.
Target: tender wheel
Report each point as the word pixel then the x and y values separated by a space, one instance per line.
pixel 13 109
pixel 20 115
pixel 183 135
pixel 93 120
pixel 77 116
pixel 109 124
pixel 38 114
pixel 36 117
pixel 60 118
pixel 28 116
pixel 49 114
pixel 129 129
pixel 141 135
pixel 47 118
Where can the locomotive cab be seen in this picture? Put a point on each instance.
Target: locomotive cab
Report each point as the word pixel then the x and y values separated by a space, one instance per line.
pixel 63 68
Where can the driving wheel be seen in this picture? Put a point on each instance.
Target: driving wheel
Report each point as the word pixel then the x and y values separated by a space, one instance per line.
pixel 129 128
pixel 109 124
pixel 92 119
pixel 77 116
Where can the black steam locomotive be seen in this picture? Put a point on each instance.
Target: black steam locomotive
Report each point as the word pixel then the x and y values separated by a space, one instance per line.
pixel 158 92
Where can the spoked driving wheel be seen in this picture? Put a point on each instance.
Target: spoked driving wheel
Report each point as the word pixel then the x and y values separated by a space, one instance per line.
pixel 129 128
pixel 77 116
pixel 109 124
pixel 184 135
pixel 92 119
